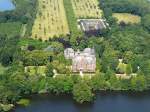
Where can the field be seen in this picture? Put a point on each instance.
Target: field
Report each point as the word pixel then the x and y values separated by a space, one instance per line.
pixel 127 18
pixel 50 20
pixel 10 28
pixel 86 8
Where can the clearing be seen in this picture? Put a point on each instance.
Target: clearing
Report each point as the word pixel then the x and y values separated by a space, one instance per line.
pixel 86 8
pixel 50 20
pixel 127 18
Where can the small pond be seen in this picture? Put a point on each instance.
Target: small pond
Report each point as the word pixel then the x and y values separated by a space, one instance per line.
pixel 6 5
pixel 105 102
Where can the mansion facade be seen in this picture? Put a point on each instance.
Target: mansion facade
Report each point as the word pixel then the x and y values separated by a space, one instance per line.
pixel 82 61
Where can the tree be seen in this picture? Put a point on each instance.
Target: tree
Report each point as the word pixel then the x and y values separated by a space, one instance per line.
pixel 60 84
pixel 145 67
pixel 109 58
pixel 136 7
pixel 138 83
pixel 109 73
pixel 125 84
pixel 146 22
pixel 35 58
pixel 98 82
pixel 114 83
pixel 82 92
pixel 49 70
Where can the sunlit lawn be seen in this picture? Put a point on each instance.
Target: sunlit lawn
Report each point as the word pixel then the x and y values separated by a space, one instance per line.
pixel 127 18
pixel 33 70
pixel 2 69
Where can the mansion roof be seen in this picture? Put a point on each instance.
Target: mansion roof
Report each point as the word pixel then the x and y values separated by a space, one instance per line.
pixel 82 60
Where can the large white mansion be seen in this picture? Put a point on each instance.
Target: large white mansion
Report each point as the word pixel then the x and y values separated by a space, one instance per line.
pixel 84 61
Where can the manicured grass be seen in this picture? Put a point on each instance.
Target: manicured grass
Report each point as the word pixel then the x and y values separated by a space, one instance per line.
pixel 29 41
pixel 2 69
pixel 10 28
pixel 86 8
pixel 50 20
pixel 32 70
pixel 127 18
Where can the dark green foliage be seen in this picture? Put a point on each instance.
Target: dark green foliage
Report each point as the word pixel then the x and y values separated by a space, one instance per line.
pixel 99 82
pixel 125 84
pixel 49 70
pixel 60 84
pixel 114 83
pixel 109 59
pixel 82 92
pixel 146 22
pixel 35 58
pixel 8 49
pixel 138 83
pixel 138 7
pixel 10 29
pixel 145 67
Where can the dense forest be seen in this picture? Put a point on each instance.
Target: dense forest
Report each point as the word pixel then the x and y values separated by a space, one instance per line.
pixel 130 42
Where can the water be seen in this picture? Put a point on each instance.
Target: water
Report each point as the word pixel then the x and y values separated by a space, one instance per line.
pixel 105 102
pixel 6 5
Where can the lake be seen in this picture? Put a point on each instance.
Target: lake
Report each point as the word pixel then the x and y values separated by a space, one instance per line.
pixel 6 5
pixel 105 102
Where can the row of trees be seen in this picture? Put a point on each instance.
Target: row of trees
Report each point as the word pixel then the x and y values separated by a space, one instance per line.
pixel 8 49
pixel 82 89
pixel 72 21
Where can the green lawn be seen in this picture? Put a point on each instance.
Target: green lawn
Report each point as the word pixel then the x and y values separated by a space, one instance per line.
pixel 2 69
pixel 127 18
pixel 29 41
pixel 32 70
pixel 10 28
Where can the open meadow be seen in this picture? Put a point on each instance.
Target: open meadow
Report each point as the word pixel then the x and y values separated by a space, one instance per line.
pixel 127 18
pixel 50 20
pixel 86 8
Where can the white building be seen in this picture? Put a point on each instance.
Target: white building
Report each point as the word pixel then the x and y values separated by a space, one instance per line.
pixel 84 61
